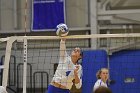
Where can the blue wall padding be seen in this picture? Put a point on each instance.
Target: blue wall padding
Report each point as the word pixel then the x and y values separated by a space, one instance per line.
pixel 92 61
pixel 125 64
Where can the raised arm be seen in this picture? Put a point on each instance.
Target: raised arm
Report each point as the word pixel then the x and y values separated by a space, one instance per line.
pixel 78 77
pixel 62 50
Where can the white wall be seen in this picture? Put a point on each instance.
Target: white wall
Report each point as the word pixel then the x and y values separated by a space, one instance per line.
pixel 6 14
pixel 77 13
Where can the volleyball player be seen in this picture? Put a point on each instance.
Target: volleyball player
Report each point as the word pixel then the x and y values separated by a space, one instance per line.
pixel 102 76
pixel 68 70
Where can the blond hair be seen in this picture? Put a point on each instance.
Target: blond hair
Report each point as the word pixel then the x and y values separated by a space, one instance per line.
pixel 99 72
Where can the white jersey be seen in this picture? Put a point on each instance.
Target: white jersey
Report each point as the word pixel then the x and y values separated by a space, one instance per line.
pixel 65 70
pixel 99 83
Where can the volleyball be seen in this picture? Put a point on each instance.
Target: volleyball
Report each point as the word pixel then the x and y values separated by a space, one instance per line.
pixel 62 30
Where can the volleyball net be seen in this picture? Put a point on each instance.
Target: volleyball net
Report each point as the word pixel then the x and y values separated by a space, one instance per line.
pixel 28 63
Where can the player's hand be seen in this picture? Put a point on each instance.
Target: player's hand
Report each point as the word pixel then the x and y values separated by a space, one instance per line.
pixel 76 69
